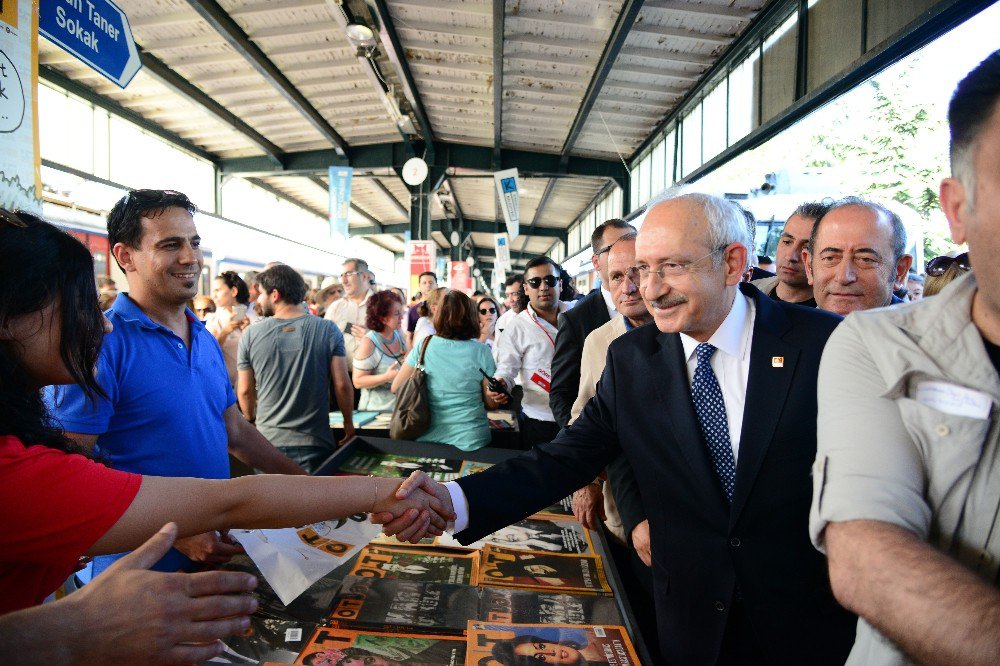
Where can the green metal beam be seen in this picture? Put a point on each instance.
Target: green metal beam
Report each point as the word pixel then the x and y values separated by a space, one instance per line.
pixel 473 226
pixel 447 155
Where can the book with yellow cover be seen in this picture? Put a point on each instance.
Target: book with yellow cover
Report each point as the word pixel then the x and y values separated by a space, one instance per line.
pixel 330 645
pixel 424 564
pixel 537 570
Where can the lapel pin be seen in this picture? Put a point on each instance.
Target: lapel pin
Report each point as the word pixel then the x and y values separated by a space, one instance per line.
pixel 777 361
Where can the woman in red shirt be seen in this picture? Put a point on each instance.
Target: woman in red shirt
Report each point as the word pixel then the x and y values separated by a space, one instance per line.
pixel 59 505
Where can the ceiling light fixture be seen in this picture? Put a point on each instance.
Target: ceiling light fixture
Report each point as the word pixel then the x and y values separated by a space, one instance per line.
pixel 361 35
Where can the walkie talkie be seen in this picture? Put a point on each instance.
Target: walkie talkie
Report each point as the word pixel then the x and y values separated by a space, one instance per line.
pixel 496 385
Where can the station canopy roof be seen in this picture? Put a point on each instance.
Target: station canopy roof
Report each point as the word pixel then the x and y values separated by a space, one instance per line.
pixel 275 90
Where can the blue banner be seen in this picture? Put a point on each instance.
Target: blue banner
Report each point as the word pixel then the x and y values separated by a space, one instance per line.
pixel 340 199
pixel 95 31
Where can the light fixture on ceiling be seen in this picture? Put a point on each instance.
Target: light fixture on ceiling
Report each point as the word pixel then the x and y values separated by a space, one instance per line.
pixel 360 35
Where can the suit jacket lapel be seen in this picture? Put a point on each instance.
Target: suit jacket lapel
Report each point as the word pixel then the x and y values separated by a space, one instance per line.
pixel 674 395
pixel 767 390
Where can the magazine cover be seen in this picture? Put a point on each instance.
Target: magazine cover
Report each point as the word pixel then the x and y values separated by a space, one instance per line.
pixel 515 644
pixel 535 570
pixel 473 467
pixel 563 507
pixel 508 606
pixel 366 460
pixel 418 564
pixel 267 639
pixel 333 646
pixel 544 533
pixel 385 604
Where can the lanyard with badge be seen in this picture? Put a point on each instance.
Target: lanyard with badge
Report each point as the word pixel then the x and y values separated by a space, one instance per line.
pixel 541 377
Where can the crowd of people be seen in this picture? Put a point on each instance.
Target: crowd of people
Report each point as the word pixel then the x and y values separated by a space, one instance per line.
pixel 794 467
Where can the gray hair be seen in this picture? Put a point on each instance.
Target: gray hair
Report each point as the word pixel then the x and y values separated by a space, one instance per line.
pixel 898 230
pixel 726 220
pixel 359 264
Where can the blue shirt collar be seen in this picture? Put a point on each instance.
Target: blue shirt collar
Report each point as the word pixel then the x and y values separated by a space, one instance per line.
pixel 128 310
pixel 628 324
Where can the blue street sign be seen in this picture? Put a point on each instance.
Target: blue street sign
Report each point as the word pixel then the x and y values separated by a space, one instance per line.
pixel 95 31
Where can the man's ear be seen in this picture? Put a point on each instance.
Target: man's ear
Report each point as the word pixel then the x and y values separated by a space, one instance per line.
pixel 902 268
pixel 123 255
pixel 807 261
pixel 954 203
pixel 735 260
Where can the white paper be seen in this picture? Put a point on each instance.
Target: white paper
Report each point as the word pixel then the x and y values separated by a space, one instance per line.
pixel 953 399
pixel 508 189
pixel 292 559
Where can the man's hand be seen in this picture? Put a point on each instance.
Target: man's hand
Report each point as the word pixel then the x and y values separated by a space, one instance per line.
pixel 210 547
pixel 640 541
pixel 498 398
pixel 588 506
pixel 349 433
pixel 411 525
pixel 132 615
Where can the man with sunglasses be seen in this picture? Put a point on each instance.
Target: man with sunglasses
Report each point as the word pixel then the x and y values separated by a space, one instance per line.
pixel 525 350
pixel 907 497
pixel 595 310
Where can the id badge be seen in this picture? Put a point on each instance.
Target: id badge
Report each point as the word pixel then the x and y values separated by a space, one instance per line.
pixel 542 379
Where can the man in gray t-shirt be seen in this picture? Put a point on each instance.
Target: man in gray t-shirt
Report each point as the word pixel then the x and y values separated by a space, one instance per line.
pixel 285 364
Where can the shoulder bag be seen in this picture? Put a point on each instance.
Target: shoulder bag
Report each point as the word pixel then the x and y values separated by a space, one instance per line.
pixel 412 414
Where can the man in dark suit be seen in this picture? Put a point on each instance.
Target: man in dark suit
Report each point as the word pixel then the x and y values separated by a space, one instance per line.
pixel 575 325
pixel 714 408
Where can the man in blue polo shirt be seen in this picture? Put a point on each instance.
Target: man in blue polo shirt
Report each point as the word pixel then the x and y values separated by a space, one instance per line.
pixel 170 409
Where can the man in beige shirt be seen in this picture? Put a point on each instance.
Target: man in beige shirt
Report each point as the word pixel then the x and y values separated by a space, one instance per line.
pixel 906 498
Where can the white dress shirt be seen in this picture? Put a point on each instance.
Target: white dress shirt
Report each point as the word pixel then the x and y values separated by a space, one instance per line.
pixel 731 365
pixel 609 300
pixel 503 321
pixel 525 351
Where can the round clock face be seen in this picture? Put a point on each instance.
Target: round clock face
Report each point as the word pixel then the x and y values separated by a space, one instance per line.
pixel 476 272
pixel 414 171
pixel 454 238
pixel 470 260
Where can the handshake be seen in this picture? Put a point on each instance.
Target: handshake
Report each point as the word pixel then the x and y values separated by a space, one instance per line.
pixel 417 508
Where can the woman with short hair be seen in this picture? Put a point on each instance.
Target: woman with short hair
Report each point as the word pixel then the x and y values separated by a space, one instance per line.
pixel 380 353
pixel 456 388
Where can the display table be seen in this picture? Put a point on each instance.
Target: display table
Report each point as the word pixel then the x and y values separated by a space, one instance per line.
pixel 486 455
pixel 504 430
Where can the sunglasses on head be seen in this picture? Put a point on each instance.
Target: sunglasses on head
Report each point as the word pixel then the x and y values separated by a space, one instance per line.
pixel 549 280
pixel 483 311
pixel 939 265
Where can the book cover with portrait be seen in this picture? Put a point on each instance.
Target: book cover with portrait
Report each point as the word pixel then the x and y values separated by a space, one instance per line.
pixel 538 570
pixel 496 644
pixel 407 606
pixel 330 646
pixel 422 564
pixel 365 460
pixel 551 534
pixel 509 606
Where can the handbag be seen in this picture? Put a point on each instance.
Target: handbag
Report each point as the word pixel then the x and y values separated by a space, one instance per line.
pixel 412 415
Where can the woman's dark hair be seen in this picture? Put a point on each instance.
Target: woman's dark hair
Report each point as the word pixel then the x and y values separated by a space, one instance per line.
pixel 41 265
pixel 456 318
pixel 286 280
pixel 125 219
pixel 379 306
pixel 489 299
pixel 232 279
pixel 503 651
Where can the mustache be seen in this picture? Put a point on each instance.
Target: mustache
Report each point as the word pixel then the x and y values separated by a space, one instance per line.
pixel 667 301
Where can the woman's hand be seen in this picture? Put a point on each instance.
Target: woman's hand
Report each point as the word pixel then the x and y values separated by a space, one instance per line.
pixel 391 373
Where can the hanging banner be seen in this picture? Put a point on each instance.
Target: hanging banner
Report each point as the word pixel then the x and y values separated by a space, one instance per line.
pixel 95 31
pixel 507 189
pixel 422 258
pixel 20 168
pixel 497 279
pixel 459 277
pixel 502 246
pixel 340 200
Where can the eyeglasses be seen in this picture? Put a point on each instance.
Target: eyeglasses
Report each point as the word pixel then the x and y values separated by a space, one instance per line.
pixel 348 274
pixel 485 311
pixel 535 282
pixel 617 278
pixel 939 265
pixel 672 268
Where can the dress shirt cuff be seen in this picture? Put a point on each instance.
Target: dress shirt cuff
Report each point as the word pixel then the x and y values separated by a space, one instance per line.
pixel 461 506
